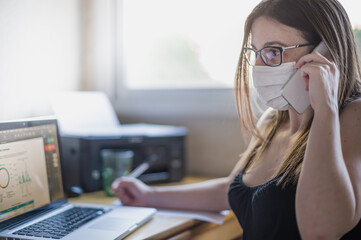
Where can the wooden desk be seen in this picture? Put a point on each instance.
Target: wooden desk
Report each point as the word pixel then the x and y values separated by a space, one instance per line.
pixel 174 228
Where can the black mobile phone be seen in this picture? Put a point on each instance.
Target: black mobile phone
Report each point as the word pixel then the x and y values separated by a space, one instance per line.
pixel 294 89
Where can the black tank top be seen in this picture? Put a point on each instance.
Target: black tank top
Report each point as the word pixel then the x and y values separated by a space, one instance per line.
pixel 268 211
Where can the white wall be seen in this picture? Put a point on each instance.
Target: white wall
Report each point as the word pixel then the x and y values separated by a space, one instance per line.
pixel 39 53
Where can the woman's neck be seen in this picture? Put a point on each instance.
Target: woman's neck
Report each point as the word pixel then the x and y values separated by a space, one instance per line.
pixel 298 122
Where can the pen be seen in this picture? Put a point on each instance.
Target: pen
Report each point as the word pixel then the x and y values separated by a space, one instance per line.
pixel 139 170
pixel 143 167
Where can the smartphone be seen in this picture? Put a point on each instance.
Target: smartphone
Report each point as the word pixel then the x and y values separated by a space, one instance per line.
pixel 294 89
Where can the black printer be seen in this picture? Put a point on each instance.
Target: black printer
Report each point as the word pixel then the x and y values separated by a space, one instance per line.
pixel 165 145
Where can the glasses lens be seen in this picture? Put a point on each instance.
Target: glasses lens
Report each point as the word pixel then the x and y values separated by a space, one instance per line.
pixel 271 56
pixel 251 56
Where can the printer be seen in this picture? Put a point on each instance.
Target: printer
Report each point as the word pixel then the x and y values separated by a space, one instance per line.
pixel 165 145
pixel 88 125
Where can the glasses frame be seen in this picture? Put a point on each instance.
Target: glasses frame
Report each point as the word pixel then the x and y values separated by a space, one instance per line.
pixel 281 49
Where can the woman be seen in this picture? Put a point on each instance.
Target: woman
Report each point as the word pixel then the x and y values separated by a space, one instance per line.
pixel 300 175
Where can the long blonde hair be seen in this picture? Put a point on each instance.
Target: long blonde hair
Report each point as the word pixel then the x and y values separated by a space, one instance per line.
pixel 317 20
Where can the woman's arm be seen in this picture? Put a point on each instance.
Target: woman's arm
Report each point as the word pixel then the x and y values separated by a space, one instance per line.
pixel 208 195
pixel 325 199
pixel 328 192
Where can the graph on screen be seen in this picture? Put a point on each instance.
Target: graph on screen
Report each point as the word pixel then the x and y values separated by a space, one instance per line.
pixel 4 178
pixel 23 179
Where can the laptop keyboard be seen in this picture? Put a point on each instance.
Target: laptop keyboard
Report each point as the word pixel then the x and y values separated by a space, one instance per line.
pixel 61 224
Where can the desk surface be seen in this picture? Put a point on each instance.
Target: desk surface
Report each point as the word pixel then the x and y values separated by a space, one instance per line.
pixel 175 228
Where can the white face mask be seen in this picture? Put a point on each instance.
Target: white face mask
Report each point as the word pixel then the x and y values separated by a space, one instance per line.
pixel 268 82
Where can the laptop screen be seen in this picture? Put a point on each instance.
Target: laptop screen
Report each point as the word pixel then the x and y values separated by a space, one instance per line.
pixel 30 174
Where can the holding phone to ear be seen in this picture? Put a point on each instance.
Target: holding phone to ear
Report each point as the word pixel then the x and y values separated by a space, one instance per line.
pixel 294 89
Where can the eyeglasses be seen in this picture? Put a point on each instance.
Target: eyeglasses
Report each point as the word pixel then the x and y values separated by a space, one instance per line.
pixel 271 55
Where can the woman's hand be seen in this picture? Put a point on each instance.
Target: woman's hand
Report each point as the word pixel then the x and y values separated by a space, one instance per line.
pixel 132 191
pixel 321 78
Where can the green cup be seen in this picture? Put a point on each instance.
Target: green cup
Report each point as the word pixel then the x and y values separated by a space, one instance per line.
pixel 115 163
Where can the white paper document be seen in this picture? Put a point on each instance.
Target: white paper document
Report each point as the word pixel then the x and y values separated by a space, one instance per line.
pixel 85 113
pixel 213 217
pixel 199 215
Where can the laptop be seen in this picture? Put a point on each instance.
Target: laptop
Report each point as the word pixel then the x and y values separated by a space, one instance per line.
pixel 32 200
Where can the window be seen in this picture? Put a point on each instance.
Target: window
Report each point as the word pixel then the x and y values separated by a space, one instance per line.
pixel 182 44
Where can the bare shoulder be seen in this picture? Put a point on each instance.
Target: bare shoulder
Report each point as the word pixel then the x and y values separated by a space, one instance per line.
pixel 351 115
pixel 350 127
